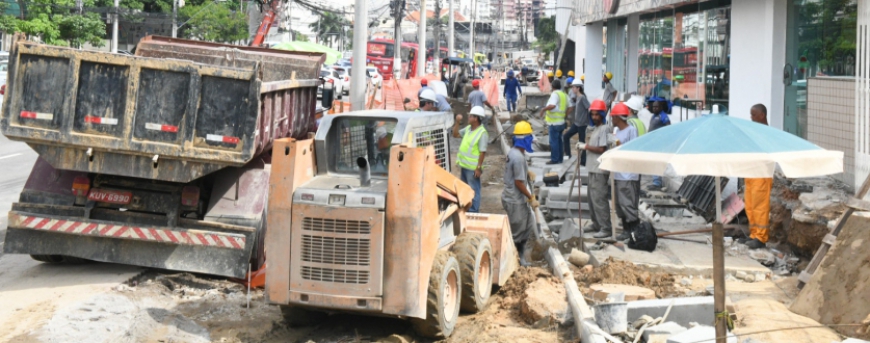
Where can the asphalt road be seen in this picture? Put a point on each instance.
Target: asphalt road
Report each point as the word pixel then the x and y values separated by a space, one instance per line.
pixel 16 160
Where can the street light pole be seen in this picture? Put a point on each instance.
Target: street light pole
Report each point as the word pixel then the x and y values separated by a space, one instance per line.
pixel 174 18
pixel 115 28
pixel 450 31
pixel 358 72
pixel 421 40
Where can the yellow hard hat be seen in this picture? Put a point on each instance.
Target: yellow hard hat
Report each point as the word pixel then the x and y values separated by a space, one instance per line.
pixel 523 128
pixel 570 73
pixel 549 74
pixel 583 77
pixel 608 75
pixel 559 73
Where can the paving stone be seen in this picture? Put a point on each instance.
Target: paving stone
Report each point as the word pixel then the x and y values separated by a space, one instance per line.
pixel 600 291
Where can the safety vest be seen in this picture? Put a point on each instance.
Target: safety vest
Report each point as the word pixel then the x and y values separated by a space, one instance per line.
pixel 557 115
pixel 638 124
pixel 469 151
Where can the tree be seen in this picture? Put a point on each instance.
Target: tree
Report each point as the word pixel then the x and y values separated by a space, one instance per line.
pixel 328 28
pixel 58 22
pixel 547 36
pixel 213 21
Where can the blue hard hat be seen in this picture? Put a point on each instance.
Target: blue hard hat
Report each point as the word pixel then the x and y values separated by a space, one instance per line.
pixel 570 80
pixel 510 73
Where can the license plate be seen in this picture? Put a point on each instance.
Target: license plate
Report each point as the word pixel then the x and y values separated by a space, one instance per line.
pixel 114 197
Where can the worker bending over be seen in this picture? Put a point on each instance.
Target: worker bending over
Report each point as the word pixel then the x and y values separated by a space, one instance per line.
pixel 472 151
pixel 627 184
pixel 428 101
pixel 757 196
pixel 598 185
pixel 554 115
pixel 517 198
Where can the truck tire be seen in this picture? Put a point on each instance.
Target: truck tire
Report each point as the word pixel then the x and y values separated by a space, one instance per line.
pixel 297 316
pixel 474 253
pixel 59 259
pixel 442 301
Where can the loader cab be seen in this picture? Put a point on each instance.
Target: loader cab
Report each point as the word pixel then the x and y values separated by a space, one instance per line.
pixel 342 139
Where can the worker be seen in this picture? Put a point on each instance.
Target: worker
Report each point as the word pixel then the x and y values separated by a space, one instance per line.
pixel 627 184
pixel 517 198
pixel 570 73
pixel 511 90
pixel 658 107
pixel 424 85
pixel 554 115
pixel 578 115
pixel 550 76
pixel 568 82
pixel 583 79
pixel 478 97
pixel 609 92
pixel 472 151
pixel 757 196
pixel 428 101
pixel 598 194
pixel 635 106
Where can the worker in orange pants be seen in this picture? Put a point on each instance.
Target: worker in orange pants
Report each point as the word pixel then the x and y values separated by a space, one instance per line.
pixel 757 196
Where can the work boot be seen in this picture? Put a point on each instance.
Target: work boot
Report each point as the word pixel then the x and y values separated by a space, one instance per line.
pixel 755 244
pixel 743 240
pixel 602 234
pixel 627 228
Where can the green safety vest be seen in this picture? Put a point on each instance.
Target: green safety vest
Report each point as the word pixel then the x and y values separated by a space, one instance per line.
pixel 469 151
pixel 638 124
pixel 557 115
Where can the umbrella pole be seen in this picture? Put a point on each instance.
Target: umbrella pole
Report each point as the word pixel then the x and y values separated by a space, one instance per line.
pixel 613 217
pixel 719 270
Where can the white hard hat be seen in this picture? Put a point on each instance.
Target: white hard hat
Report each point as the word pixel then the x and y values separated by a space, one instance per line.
pixel 635 102
pixel 428 95
pixel 577 82
pixel 478 111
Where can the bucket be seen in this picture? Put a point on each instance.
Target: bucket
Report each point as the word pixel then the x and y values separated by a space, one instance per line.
pixel 612 317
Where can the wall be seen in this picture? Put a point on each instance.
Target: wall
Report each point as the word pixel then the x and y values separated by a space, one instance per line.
pixel 757 57
pixel 862 96
pixel 594 51
pixel 831 119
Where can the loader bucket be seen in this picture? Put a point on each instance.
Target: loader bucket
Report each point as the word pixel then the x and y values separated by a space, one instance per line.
pixel 498 230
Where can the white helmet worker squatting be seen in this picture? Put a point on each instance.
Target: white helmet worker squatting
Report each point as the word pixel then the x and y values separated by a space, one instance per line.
pixel 428 95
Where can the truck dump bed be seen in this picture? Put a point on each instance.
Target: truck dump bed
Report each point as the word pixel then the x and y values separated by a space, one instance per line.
pixel 176 111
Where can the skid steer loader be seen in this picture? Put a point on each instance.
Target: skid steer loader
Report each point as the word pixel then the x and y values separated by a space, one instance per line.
pixel 367 218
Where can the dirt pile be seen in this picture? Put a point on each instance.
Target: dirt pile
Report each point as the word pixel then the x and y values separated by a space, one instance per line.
pixel 627 273
pixel 801 210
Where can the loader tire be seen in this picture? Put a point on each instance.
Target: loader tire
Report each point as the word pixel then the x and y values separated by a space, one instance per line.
pixel 59 259
pixel 297 316
pixel 474 253
pixel 442 301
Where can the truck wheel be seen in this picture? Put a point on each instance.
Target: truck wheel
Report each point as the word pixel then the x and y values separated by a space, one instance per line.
pixel 297 316
pixel 474 253
pixel 442 302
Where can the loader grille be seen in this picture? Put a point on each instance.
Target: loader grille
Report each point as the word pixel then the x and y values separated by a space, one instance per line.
pixel 339 251
pixel 335 275
pixel 434 138
pixel 337 226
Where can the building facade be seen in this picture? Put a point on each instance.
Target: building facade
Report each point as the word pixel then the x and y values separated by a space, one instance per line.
pixel 806 60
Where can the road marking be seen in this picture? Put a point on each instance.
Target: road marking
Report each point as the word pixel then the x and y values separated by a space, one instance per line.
pixel 8 156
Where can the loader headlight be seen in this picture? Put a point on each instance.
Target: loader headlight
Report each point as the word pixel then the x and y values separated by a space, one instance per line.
pixel 336 199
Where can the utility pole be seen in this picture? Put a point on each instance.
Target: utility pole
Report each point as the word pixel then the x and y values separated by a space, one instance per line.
pixel 360 35
pixel 115 28
pixel 450 31
pixel 174 18
pixel 471 29
pixel 437 54
pixel 421 40
pixel 398 11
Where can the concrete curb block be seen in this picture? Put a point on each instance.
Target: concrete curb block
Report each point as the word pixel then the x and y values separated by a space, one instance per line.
pixel 584 320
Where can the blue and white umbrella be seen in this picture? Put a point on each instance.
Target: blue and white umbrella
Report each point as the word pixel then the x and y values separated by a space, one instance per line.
pixel 719 145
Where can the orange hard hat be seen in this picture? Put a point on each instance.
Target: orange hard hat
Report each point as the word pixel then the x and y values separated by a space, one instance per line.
pixel 598 105
pixel 475 83
pixel 619 109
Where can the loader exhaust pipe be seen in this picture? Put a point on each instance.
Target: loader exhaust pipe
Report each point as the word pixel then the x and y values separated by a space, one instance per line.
pixel 365 174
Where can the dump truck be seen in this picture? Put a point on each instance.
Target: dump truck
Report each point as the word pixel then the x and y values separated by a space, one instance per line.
pixel 160 159
pixel 367 218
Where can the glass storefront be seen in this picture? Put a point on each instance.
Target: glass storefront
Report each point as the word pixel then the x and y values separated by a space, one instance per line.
pixel 683 56
pixel 820 42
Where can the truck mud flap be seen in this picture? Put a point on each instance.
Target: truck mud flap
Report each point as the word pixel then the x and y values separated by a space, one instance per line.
pixel 216 252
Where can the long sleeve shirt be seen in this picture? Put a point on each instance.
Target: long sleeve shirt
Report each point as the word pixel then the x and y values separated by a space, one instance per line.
pixel 512 86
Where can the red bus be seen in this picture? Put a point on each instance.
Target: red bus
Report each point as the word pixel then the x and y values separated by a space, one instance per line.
pixel 380 53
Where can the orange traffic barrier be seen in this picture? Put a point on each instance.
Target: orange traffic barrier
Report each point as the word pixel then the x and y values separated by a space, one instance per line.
pixel 544 84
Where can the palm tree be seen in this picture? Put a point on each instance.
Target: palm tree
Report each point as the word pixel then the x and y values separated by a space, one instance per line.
pixel 328 28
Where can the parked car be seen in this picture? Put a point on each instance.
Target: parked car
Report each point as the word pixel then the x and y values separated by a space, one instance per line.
pixel 344 74
pixel 331 76
pixel 374 76
pixel 344 63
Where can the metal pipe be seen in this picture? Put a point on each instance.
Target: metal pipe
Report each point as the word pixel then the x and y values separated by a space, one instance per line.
pixel 365 174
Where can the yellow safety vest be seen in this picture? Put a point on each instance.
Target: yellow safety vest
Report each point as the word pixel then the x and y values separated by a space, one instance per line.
pixel 469 151
pixel 557 115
